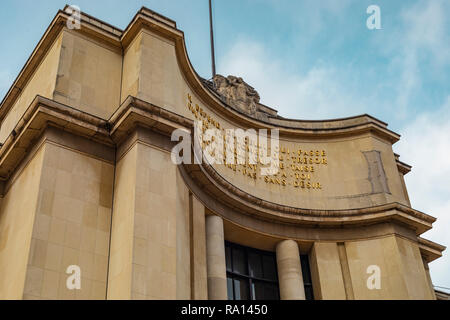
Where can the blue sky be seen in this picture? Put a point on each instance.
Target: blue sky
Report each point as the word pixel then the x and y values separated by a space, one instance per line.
pixel 309 60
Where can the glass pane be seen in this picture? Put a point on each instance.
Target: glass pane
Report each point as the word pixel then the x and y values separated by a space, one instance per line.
pixel 309 293
pixel 271 292
pixel 254 264
pixel 230 288
pixel 264 291
pixel 239 261
pixel 269 268
pixel 241 290
pixel 258 290
pixel 228 257
pixel 305 269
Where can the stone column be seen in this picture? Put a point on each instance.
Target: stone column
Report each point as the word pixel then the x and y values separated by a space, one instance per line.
pixel 289 271
pixel 215 257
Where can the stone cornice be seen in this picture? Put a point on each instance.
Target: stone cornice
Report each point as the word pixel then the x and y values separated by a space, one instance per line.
pixel 402 167
pixel 134 110
pixel 44 112
pixel 220 189
pixel 430 250
pixel 37 117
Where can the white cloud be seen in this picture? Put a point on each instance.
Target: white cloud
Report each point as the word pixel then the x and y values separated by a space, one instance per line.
pixel 316 94
pixel 421 40
pixel 424 40
pixel 426 26
pixel 425 145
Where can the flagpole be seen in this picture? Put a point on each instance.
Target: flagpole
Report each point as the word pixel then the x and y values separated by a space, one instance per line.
pixel 213 58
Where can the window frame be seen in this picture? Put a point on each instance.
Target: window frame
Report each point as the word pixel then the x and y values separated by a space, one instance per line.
pixel 304 263
pixel 308 286
pixel 251 279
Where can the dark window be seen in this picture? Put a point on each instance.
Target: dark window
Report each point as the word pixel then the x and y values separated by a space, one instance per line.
pixel 306 272
pixel 239 261
pixel 252 274
pixel 255 265
pixel 228 257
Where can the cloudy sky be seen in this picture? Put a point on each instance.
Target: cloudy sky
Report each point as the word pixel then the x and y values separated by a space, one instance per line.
pixel 309 60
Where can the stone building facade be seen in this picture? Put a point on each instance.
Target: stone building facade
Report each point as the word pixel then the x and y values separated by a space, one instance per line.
pixel 87 179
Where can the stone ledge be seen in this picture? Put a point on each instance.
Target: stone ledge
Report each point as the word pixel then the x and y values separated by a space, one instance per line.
pixel 430 250
pixel 213 184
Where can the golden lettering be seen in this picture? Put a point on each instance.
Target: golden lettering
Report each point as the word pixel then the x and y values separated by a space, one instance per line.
pixel 301 164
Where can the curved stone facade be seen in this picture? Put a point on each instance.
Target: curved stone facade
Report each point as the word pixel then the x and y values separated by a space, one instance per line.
pixel 87 179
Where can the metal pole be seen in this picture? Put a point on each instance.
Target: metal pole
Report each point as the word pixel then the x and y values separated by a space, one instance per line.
pixel 213 59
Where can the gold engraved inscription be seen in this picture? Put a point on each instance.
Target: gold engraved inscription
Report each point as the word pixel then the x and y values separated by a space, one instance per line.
pixel 297 166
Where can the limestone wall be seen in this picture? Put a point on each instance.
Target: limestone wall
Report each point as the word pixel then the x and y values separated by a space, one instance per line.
pixel 89 75
pixel 150 248
pixel 41 83
pixel 17 219
pixel 71 226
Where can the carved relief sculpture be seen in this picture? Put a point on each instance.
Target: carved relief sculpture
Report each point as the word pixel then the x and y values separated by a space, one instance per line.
pixel 237 93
